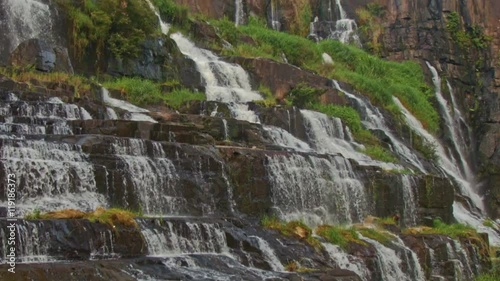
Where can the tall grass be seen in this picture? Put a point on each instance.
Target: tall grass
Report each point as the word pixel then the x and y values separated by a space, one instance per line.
pixel 145 92
pixel 377 78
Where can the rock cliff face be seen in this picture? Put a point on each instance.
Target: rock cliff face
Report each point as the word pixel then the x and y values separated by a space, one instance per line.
pixel 417 30
pixel 208 174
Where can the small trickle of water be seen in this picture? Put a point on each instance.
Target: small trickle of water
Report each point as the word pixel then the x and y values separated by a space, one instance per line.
pixel 269 254
pixel 275 22
pixel 226 129
pixel 239 13
pixel 346 261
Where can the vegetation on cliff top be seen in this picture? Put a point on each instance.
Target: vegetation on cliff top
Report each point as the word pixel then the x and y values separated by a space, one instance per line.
pixel 118 26
pixel 377 78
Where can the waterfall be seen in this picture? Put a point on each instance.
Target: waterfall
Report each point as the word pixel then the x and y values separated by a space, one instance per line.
pixel 316 190
pixel 374 120
pixel 451 168
pixel 269 254
pixel 345 28
pixel 448 164
pixel 283 138
pixel 346 261
pixel 165 27
pixel 327 135
pixel 52 176
pixel 111 114
pixel 225 82
pixel 275 22
pixel 179 237
pixel 389 264
pixel 416 272
pixel 409 200
pixel 32 246
pixel 134 113
pixel 239 14
pixel 452 124
pixel 154 178
pixel 27 19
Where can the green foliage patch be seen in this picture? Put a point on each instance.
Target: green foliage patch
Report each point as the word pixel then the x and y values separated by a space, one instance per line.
pixel 145 92
pixel 377 78
pixel 119 26
pixel 339 235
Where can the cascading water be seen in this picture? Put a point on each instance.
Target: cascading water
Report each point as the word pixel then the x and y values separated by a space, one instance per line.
pixel 225 82
pixel 239 13
pixel 316 190
pixel 389 264
pixel 25 20
pixel 53 175
pixel 275 23
pixel 134 113
pixel 153 176
pixel 283 138
pixel 345 28
pixel 452 126
pixel 327 135
pixel 346 261
pixel 178 237
pixel 165 27
pixel 451 168
pixel 374 120
pixel 269 254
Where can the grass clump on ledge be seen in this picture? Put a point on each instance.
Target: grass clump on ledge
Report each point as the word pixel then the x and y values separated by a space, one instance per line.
pixel 111 217
pixel 294 229
pixel 339 235
pixel 146 92
pixel 379 235
pixel 80 83
pixel 455 230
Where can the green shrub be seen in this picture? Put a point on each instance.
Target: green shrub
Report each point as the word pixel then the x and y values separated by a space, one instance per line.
pixel 304 96
pixel 379 153
pixel 109 24
pixel 173 13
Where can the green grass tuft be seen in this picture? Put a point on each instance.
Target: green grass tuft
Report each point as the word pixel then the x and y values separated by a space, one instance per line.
pixel 146 92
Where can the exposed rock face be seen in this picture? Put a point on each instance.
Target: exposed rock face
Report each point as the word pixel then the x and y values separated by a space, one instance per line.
pixel 159 60
pixel 41 56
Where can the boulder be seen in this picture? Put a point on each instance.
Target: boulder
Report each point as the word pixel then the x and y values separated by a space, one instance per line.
pixel 42 56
